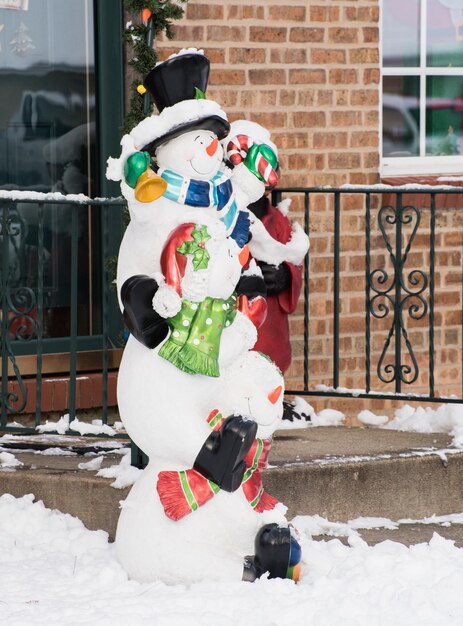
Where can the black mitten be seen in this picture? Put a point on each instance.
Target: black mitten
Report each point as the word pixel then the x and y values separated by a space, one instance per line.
pixel 221 459
pixel 277 277
pixel 251 286
pixel 139 316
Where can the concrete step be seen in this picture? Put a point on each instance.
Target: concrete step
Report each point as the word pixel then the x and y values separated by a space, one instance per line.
pixel 337 473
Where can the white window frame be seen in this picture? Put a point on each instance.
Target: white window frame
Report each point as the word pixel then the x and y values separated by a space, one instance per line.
pixel 418 165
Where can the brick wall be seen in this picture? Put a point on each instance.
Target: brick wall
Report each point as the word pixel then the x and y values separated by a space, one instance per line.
pixel 309 72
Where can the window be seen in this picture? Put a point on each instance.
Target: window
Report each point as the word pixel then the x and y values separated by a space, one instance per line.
pixel 422 86
pixel 60 113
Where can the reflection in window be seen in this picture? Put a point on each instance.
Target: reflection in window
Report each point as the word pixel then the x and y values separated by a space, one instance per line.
pixel 422 78
pixel 47 143
pixel 401 130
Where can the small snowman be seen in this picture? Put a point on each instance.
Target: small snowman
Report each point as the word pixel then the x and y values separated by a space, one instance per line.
pixel 179 265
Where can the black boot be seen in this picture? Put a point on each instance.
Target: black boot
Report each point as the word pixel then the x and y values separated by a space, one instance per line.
pixel 221 459
pixel 276 552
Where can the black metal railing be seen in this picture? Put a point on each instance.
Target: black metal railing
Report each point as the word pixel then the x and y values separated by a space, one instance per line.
pixel 393 293
pixel 25 225
pixel 399 293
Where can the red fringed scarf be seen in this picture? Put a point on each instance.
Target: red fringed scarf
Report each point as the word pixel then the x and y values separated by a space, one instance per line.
pixel 185 491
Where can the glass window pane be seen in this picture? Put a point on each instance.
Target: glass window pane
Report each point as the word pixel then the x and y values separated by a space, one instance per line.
pixel 445 33
pixel 444 115
pixel 401 129
pixel 47 143
pixel 401 33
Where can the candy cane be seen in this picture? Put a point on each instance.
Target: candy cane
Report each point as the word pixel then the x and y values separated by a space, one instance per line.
pixel 236 152
pixel 237 148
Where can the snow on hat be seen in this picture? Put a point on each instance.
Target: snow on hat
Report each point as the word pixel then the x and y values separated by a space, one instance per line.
pixel 255 131
pixel 174 85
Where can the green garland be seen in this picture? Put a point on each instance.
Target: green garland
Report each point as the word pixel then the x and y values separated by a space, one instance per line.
pixel 140 37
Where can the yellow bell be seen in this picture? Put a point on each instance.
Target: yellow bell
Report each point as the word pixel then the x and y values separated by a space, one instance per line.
pixel 149 186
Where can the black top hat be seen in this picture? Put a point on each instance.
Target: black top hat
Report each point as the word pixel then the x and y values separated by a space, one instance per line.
pixel 174 81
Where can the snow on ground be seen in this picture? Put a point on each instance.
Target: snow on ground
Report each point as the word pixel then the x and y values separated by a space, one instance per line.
pixel 96 427
pixel 56 572
pixel 446 418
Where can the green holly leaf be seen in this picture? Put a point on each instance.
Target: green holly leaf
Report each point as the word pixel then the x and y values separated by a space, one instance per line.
pixel 201 259
pixel 197 248
pixel 200 235
pixel 199 95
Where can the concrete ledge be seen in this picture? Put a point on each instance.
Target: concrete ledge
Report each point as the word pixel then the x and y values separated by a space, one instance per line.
pixel 337 473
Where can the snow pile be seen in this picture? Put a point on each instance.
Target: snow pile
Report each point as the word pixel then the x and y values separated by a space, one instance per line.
pixel 8 460
pixel 96 427
pixel 124 473
pixel 56 572
pixel 304 415
pixel 92 465
pixel 447 418
pixel 371 419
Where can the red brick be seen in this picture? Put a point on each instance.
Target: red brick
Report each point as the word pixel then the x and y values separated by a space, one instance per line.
pixel 364 97
pixel 324 97
pixel 322 56
pixel 204 12
pixel 227 77
pixel 286 13
pixel 307 77
pixel 306 97
pixel 309 119
pixel 364 138
pixel 300 34
pixel 343 35
pixel 286 97
pixel 330 140
pixel 370 34
pixel 364 55
pixel 288 55
pixel 324 14
pixel 224 33
pixel 342 76
pixel 371 75
pixel 267 77
pixel 267 34
pixel 269 119
pixel 343 160
pixel 188 33
pixel 346 118
pixel 247 55
pixel 244 12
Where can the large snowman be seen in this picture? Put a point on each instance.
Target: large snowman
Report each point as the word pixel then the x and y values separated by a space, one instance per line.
pixel 190 394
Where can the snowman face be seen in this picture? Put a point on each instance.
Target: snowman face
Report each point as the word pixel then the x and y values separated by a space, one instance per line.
pixel 253 387
pixel 197 154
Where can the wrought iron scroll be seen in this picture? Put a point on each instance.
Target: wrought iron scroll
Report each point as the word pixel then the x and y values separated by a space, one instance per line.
pixel 397 295
pixel 17 303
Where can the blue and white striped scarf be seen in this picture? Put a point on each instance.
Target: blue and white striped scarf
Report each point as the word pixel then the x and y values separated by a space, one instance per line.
pixel 218 192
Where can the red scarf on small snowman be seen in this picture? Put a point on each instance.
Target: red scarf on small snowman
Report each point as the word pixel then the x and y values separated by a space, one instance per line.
pixel 185 491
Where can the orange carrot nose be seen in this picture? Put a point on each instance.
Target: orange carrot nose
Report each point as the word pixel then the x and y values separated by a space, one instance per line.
pixel 244 255
pixel 275 394
pixel 212 147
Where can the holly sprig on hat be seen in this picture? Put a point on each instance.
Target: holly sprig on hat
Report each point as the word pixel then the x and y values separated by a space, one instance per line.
pixel 197 248
pixel 155 17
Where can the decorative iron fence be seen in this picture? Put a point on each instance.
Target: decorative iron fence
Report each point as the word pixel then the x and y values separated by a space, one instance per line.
pixel 389 322
pixel 54 312
pixel 403 230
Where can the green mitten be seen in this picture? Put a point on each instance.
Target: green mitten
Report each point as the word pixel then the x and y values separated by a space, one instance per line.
pixel 262 161
pixel 134 167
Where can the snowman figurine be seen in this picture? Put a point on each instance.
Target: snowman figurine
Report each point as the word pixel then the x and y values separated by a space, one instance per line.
pixel 179 265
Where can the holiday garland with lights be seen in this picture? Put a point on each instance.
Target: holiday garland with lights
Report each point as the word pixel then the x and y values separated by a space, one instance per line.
pixel 156 17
